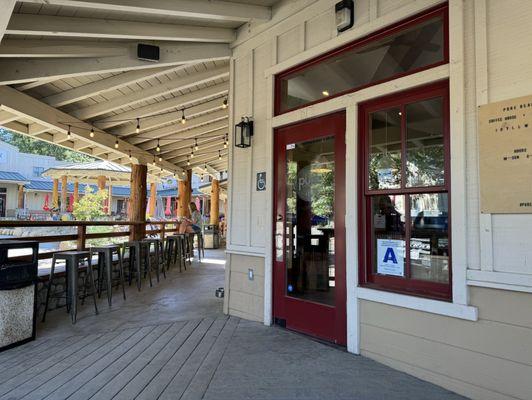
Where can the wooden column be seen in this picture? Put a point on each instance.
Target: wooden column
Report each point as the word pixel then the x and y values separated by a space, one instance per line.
pixel 76 192
pixel 20 203
pixel 64 194
pixel 110 199
pixel 101 182
pixel 184 196
pixel 215 201
pixel 188 191
pixel 55 193
pixel 138 200
pixel 153 197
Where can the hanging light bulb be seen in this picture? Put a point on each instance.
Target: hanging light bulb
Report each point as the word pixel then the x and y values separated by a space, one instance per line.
pixel 202 177
pixel 174 174
pixel 224 104
pixel 129 155
pixel 158 148
pixel 196 147
pixel 116 144
pixel 69 133
pixel 188 162
pixel 160 158
pixel 183 119
pixel 138 126
pixel 154 161
pixel 92 132
pixel 219 155
pixel 192 153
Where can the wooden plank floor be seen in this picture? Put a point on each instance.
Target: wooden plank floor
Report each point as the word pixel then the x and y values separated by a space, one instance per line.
pixel 168 361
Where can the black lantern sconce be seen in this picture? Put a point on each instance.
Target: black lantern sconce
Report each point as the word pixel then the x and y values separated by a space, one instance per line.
pixel 244 132
pixel 345 15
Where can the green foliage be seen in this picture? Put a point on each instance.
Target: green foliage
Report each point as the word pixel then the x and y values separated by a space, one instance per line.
pixel 29 145
pixel 90 206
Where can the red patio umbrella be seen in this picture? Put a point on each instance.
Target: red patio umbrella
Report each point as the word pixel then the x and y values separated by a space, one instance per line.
pixel 71 203
pixel 168 210
pixel 46 206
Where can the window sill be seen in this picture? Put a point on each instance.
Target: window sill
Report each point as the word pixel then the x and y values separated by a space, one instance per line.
pixel 453 310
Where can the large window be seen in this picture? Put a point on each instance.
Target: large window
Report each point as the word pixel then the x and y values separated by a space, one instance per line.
pixel 405 48
pixel 405 192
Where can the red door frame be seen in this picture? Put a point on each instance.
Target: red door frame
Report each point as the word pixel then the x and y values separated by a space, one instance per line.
pixel 319 320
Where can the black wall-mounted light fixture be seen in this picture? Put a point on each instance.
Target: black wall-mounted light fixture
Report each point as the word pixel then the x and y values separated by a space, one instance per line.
pixel 345 15
pixel 244 132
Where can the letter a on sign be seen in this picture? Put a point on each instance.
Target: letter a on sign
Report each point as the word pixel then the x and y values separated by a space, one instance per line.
pixel 390 257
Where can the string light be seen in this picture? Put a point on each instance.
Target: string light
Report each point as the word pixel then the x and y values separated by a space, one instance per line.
pixel 183 172
pixel 196 147
pixel 183 119
pixel 219 155
pixel 69 133
pixel 116 144
pixel 138 126
pixel 160 158
pixel 158 149
pixel 130 155
pixel 188 162
pixel 202 177
pixel 225 141
pixel 224 104
pixel 92 132
pixel 192 153
pixel 154 162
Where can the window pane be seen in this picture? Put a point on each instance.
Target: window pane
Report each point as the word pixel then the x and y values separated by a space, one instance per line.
pixel 388 234
pixel 385 149
pixel 419 46
pixel 429 242
pixel 424 146
pixel 310 256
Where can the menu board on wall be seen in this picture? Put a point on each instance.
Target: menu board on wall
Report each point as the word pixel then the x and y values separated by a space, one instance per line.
pixel 505 151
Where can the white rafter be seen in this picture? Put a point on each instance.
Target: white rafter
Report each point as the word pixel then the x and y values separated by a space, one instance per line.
pixel 198 9
pixel 46 25
pixel 151 92
pixel 172 54
pixel 15 48
pixel 165 105
pixel 104 85
pixel 7 8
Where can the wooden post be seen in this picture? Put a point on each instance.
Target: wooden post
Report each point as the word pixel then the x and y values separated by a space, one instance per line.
pixel 110 200
pixel 215 202
pixel 153 194
pixel 64 194
pixel 181 199
pixel 138 200
pixel 188 190
pixel 55 194
pixel 20 203
pixel 76 192
pixel 82 237
pixel 101 182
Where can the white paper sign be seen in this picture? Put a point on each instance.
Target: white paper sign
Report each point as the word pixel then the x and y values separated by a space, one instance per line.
pixel 390 257
pixel 379 221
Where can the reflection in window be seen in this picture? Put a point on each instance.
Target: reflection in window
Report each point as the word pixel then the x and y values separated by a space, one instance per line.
pixel 424 143
pixel 385 149
pixel 429 239
pixel 309 220
pixel 408 50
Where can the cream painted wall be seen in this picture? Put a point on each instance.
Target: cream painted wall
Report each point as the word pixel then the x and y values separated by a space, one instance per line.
pixel 471 357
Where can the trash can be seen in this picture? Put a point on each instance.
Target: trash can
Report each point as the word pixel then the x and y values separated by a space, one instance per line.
pixel 211 237
pixel 18 293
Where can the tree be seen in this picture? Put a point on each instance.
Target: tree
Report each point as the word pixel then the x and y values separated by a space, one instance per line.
pixel 29 145
pixel 90 206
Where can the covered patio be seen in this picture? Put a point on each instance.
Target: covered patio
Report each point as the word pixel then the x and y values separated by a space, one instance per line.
pixel 174 342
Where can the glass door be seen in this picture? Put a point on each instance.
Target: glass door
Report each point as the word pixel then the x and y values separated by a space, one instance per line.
pixel 309 272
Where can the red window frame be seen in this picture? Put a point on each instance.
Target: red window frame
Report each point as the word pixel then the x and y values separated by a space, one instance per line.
pixel 440 10
pixel 367 277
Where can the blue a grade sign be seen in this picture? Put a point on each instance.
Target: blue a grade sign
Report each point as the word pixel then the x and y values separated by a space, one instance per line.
pixel 390 257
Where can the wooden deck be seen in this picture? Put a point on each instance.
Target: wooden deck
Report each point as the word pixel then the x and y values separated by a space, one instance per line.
pixel 169 361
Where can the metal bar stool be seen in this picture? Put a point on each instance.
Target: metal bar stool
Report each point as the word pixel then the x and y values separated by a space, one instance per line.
pixel 105 262
pixel 174 250
pixel 72 260
pixel 137 254
pixel 158 254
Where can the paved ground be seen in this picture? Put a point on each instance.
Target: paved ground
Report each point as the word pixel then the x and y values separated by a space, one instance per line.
pixel 171 341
